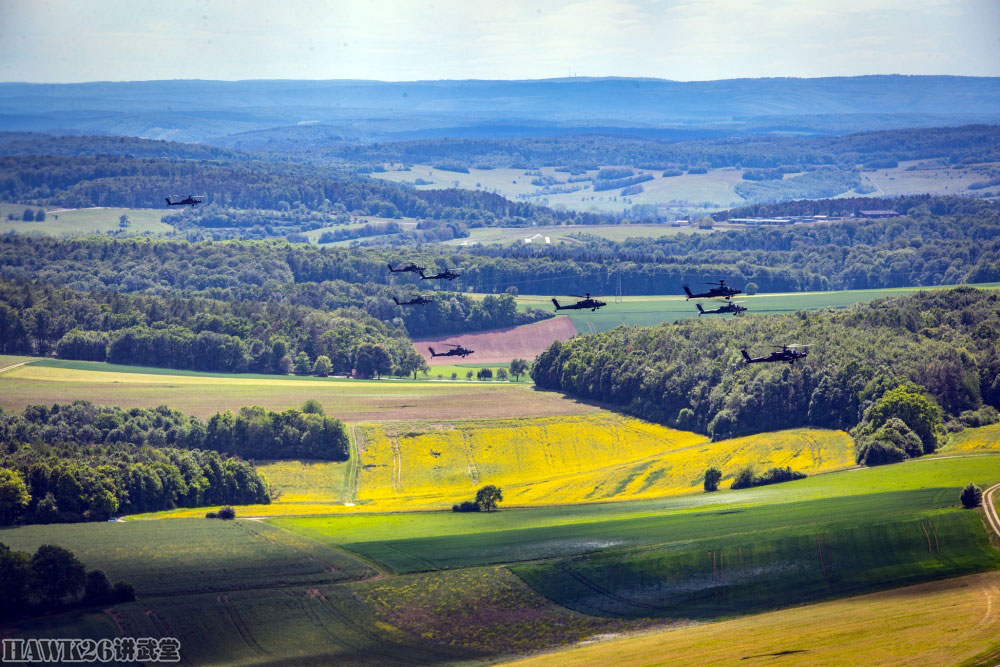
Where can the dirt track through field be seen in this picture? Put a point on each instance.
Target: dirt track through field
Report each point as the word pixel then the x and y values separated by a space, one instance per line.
pixel 990 508
pixel 500 345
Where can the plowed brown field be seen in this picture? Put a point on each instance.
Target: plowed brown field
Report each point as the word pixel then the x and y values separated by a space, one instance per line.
pixel 500 345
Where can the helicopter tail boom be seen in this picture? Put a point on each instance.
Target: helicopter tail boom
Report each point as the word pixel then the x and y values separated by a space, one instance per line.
pixel 701 311
pixel 688 291
pixel 556 304
pixel 746 356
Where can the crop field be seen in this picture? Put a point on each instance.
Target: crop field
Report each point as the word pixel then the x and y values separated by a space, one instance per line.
pixel 510 617
pixel 650 310
pixel 984 438
pixel 537 461
pixel 172 557
pixel 937 623
pixel 204 394
pixel 501 345
pixel 590 458
pixel 82 221
pixel 750 572
pixel 866 495
pixel 920 176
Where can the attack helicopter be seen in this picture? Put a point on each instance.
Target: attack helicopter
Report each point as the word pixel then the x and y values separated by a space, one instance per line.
pixel 730 307
pixel 784 353
pixel 447 274
pixel 409 268
pixel 416 301
pixel 587 302
pixel 191 200
pixel 455 351
pixel 722 289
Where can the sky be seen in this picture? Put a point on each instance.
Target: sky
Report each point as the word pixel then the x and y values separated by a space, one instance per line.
pixel 404 40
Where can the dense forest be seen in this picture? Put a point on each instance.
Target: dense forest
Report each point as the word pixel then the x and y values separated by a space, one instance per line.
pixel 259 328
pixel 690 375
pixel 81 462
pixel 936 241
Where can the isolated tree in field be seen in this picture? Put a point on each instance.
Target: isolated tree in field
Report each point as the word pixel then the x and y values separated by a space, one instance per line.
pixel 28 215
pixel 412 362
pixel 123 221
pixel 40 215
pixel 56 573
pixel 14 496
pixel 489 497
pixel 372 360
pixel 285 365
pixel 712 478
pixel 502 373
pixel 469 374
pixel 322 366
pixel 751 288
pixel 454 375
pixel 312 407
pixel 485 374
pixel 972 496
pixel 518 367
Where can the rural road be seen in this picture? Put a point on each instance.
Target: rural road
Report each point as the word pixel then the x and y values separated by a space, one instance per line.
pixel 13 366
pixel 991 509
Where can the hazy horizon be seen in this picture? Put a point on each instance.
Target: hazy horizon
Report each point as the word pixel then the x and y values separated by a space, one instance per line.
pixel 62 41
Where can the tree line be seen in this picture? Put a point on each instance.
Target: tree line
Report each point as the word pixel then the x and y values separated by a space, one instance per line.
pixel 690 375
pixel 956 145
pixel 264 329
pixel 81 462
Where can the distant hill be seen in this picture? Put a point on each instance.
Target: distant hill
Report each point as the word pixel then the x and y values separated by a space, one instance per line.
pixel 196 110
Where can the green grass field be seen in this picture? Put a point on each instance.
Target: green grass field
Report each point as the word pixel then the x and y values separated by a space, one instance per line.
pixel 82 221
pixel 193 555
pixel 650 310
pixel 410 541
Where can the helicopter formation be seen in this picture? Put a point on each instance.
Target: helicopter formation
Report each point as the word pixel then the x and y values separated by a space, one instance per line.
pixel 783 354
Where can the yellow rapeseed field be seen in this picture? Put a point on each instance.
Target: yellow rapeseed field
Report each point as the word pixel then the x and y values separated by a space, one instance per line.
pixel 536 461
pixel 982 439
pixel 589 458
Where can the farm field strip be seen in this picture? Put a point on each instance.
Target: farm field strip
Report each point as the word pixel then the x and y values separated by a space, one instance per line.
pixel 653 309
pixel 942 622
pixel 350 400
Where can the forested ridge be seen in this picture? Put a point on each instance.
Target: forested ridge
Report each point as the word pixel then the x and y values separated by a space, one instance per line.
pixel 936 241
pixel 964 144
pixel 690 375
pixel 85 181
pixel 195 333
pixel 246 327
